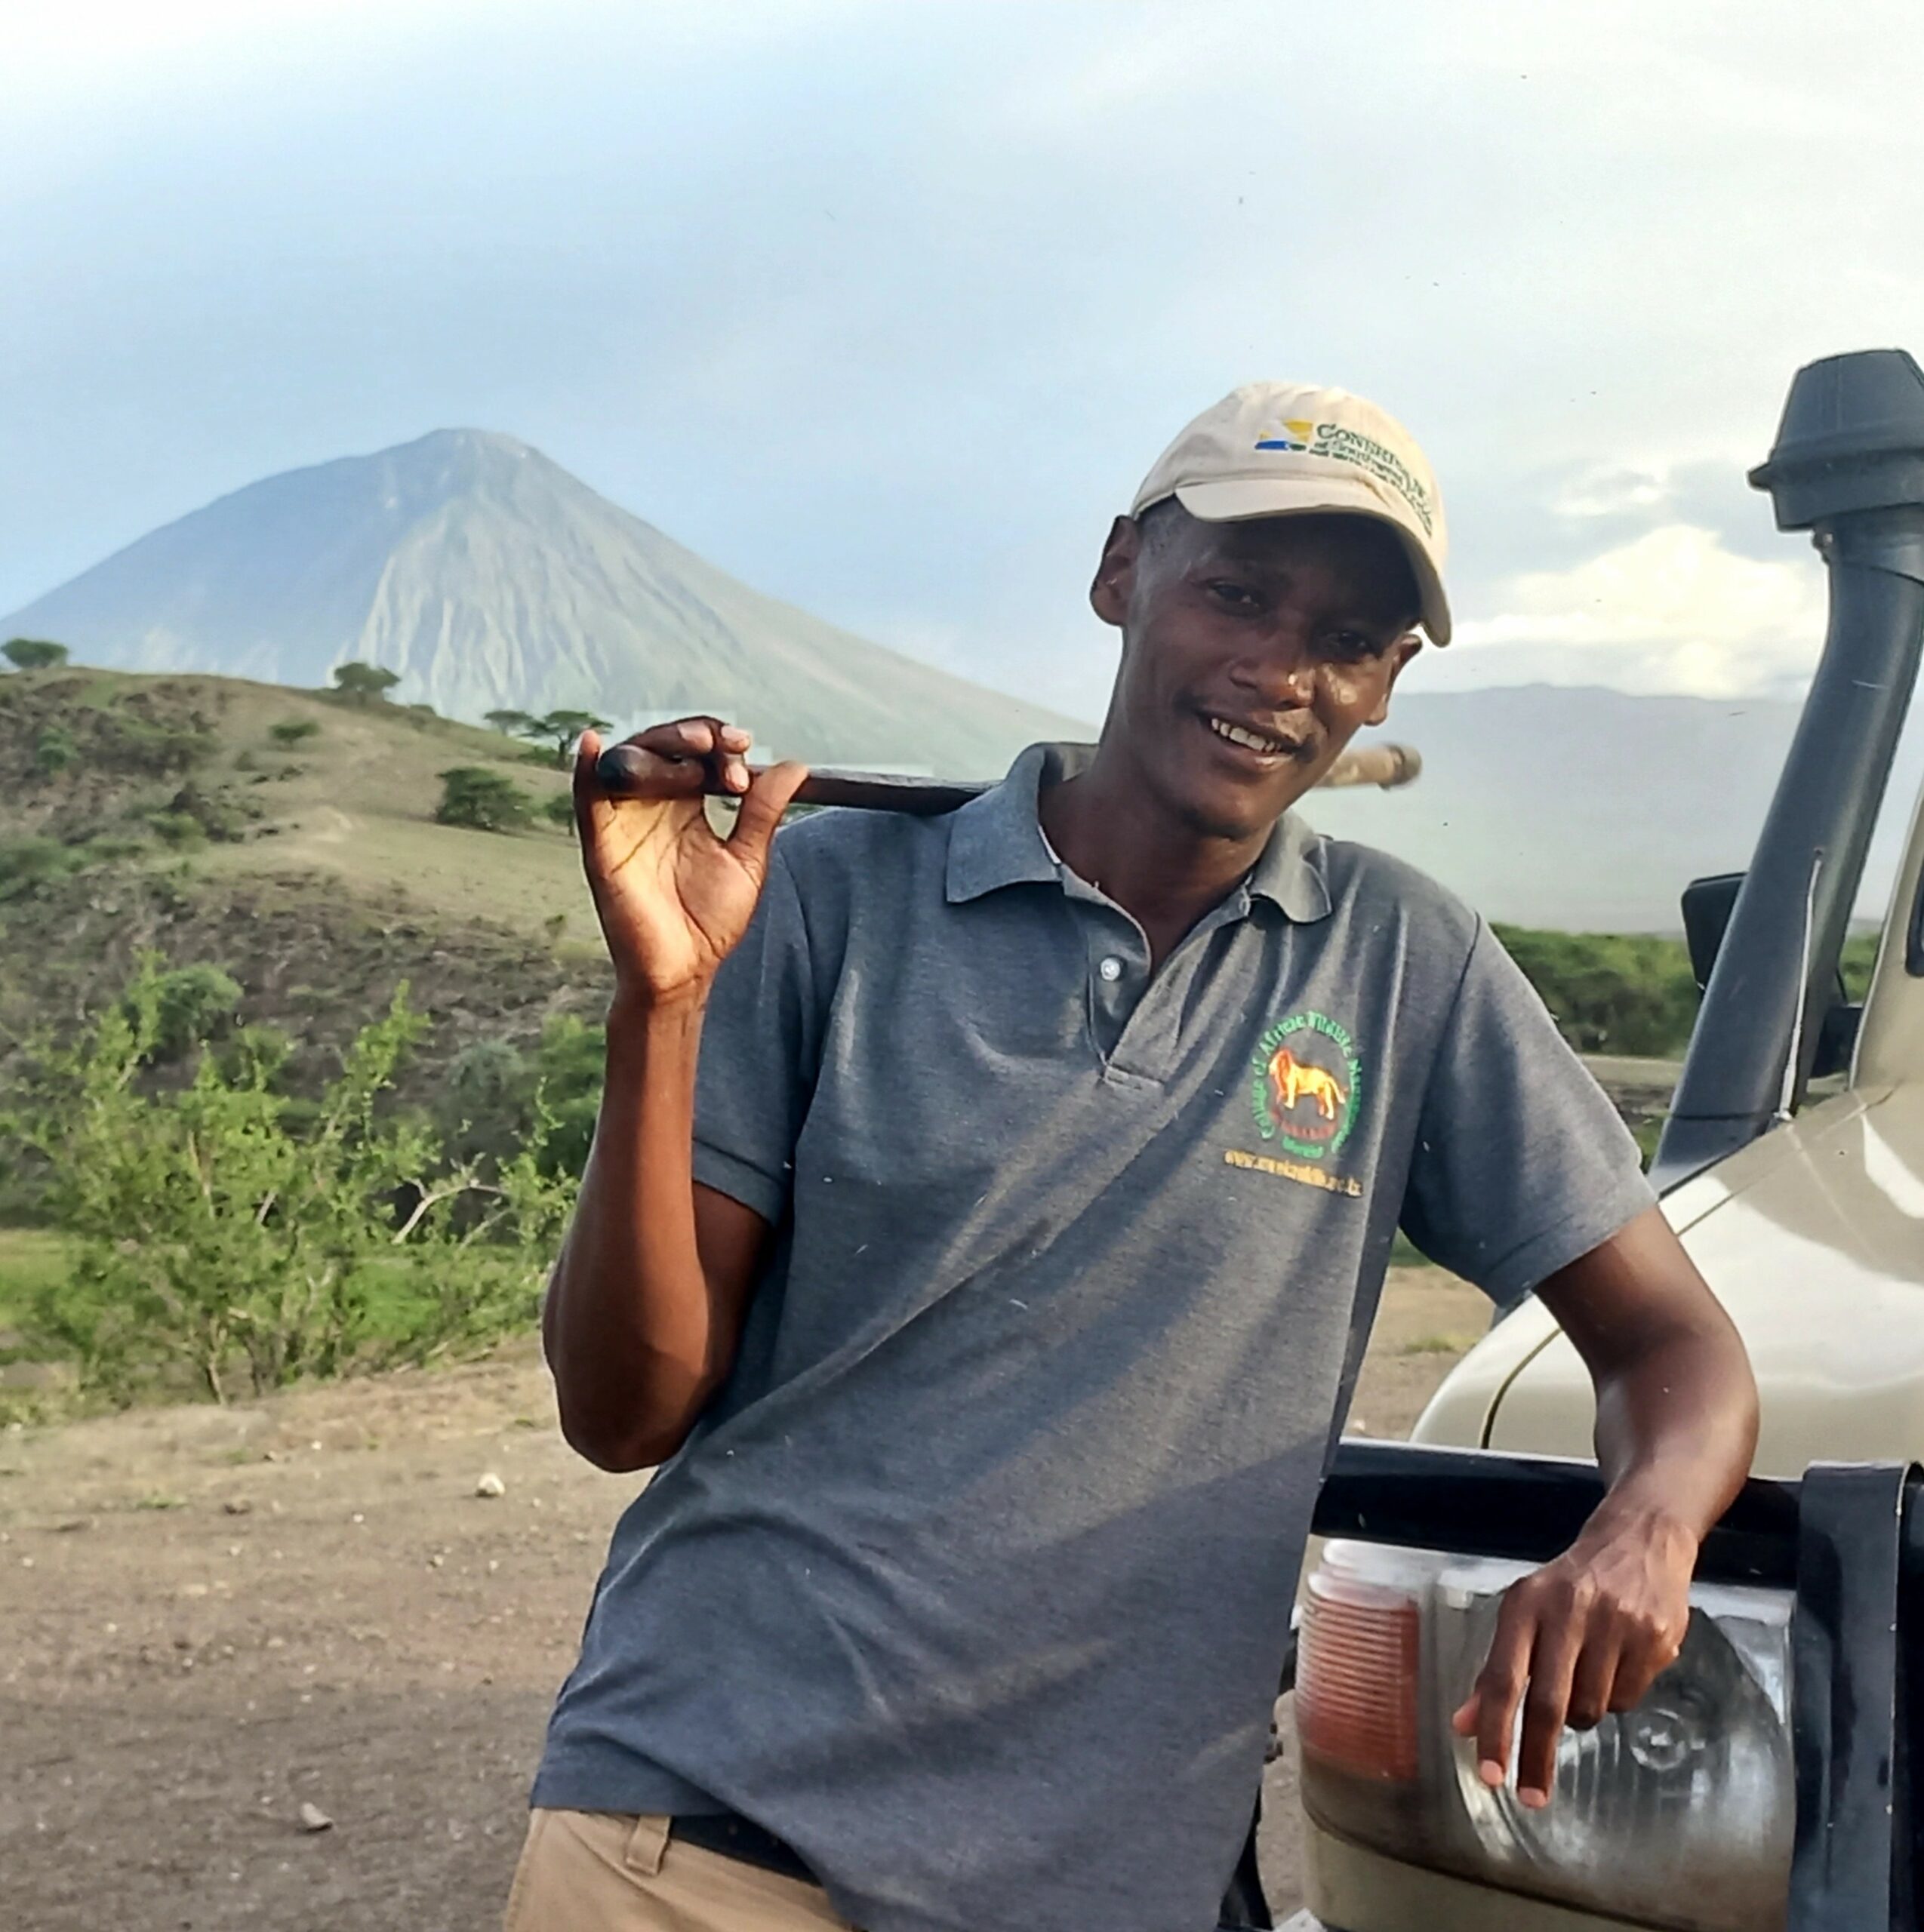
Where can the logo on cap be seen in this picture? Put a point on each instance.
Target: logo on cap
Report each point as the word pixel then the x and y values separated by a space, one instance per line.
pixel 1293 435
pixel 1340 444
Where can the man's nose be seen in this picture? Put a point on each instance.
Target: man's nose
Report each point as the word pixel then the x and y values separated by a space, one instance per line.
pixel 1282 673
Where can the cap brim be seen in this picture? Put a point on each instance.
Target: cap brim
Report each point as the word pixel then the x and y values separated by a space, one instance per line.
pixel 1242 498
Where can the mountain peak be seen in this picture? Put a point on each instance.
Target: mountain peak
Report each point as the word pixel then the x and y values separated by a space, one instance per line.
pixel 490 579
pixel 463 442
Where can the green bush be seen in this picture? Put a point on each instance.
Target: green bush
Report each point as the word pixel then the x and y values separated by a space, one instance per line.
pixel 364 684
pixel 182 830
pixel 290 731
pixel 218 1233
pixel 1610 992
pixel 192 1004
pixel 27 864
pixel 33 653
pixel 498 1095
pixel 559 810
pixel 484 801
pixel 54 749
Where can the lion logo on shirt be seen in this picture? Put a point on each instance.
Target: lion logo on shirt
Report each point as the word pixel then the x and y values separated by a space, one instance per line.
pixel 1305 1087
pixel 1290 1081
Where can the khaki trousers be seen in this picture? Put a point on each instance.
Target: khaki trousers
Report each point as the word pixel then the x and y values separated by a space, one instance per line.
pixel 599 1871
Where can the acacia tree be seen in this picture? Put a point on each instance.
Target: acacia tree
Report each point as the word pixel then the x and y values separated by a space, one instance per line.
pixel 364 684
pixel 33 653
pixel 561 729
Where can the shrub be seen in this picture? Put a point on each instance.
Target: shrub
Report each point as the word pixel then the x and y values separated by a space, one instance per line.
pixel 54 749
pixel 192 1005
pixel 1610 992
pixel 559 810
pixel 182 830
pixel 364 684
pixel 291 731
pixel 484 801
pixel 219 1232
pixel 33 653
pixel 27 864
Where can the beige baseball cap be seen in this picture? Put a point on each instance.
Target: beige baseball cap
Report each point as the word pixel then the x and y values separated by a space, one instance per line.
pixel 1287 449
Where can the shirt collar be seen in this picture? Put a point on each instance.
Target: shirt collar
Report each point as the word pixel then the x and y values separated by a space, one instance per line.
pixel 997 840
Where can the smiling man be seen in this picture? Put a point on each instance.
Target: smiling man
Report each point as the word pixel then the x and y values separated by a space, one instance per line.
pixel 985 1218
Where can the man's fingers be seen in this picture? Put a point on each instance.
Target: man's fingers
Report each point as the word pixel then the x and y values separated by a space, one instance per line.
pixel 1546 1704
pixel 1646 1653
pixel 1500 1687
pixel 1594 1685
pixel 762 808
pixel 585 788
pixel 651 773
pixel 709 747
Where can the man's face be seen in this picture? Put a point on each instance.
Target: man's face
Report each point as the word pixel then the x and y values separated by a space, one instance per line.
pixel 1252 652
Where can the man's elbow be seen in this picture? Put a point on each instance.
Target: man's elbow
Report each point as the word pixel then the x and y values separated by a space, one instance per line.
pixel 620 1448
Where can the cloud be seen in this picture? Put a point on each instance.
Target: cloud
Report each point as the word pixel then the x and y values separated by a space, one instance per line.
pixel 1673 611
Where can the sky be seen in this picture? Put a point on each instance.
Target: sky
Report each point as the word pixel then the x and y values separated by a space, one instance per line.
pixel 886 308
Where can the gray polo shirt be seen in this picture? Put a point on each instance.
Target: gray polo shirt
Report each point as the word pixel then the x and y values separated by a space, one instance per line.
pixel 974 1584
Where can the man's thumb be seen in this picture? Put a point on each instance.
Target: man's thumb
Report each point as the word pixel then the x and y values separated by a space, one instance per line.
pixel 769 795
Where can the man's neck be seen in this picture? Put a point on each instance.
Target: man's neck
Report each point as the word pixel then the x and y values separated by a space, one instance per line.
pixel 1112 831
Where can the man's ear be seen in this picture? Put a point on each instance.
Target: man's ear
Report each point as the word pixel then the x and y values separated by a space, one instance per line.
pixel 1400 653
pixel 1116 574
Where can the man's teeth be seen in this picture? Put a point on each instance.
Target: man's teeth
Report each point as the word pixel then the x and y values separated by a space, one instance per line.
pixel 1237 735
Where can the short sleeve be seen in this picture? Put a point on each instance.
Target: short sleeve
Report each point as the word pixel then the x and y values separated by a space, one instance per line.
pixel 1521 1164
pixel 760 1048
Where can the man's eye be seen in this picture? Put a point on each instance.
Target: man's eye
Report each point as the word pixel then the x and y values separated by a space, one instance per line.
pixel 1236 596
pixel 1351 645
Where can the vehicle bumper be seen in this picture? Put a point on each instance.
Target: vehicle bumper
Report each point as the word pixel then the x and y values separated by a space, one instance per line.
pixel 1351 1890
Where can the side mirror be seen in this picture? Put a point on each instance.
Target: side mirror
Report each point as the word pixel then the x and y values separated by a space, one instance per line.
pixel 1706 909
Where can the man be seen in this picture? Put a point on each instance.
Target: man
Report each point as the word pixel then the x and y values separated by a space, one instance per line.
pixel 985 1218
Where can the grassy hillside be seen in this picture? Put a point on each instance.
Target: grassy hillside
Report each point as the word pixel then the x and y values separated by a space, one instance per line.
pixel 161 812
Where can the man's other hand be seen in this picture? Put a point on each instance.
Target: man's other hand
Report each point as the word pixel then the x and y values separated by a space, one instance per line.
pixel 1584 1636
pixel 1676 1424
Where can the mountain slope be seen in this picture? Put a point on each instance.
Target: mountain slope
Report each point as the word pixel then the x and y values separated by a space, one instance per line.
pixel 489 578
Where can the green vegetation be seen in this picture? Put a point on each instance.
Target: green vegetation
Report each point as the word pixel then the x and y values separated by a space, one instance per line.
pixel 1611 993
pixel 558 729
pixel 482 800
pixel 221 1234
pixel 291 731
pixel 28 864
pixel 33 653
pixel 364 684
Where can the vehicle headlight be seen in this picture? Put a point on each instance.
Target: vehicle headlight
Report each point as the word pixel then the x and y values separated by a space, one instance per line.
pixel 1678 1814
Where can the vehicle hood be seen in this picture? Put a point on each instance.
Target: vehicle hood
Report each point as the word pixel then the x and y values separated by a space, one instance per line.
pixel 1813 1238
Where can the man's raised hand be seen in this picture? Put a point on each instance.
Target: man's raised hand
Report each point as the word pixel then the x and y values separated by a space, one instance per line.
pixel 673 898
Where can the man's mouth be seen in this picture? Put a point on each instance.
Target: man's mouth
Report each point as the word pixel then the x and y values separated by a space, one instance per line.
pixel 1265 743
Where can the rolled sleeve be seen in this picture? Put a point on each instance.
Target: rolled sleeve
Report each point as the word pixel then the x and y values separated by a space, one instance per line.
pixel 1521 1165
pixel 760 1048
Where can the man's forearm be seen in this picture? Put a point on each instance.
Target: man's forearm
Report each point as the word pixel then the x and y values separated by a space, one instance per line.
pixel 1676 1425
pixel 629 1321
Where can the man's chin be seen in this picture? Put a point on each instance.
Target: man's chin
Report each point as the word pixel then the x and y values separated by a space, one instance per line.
pixel 1232 820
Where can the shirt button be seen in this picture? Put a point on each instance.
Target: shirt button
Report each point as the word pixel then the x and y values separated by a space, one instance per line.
pixel 1111 969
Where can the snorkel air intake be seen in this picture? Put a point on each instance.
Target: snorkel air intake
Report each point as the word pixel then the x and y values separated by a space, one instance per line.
pixel 1848 466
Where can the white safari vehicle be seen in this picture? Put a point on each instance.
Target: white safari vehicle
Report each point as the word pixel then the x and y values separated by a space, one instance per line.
pixel 1764 1783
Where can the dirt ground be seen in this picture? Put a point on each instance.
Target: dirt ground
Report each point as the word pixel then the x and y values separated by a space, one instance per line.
pixel 209 1618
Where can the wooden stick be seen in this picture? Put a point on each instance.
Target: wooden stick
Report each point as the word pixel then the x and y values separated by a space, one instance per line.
pixel 1387 766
